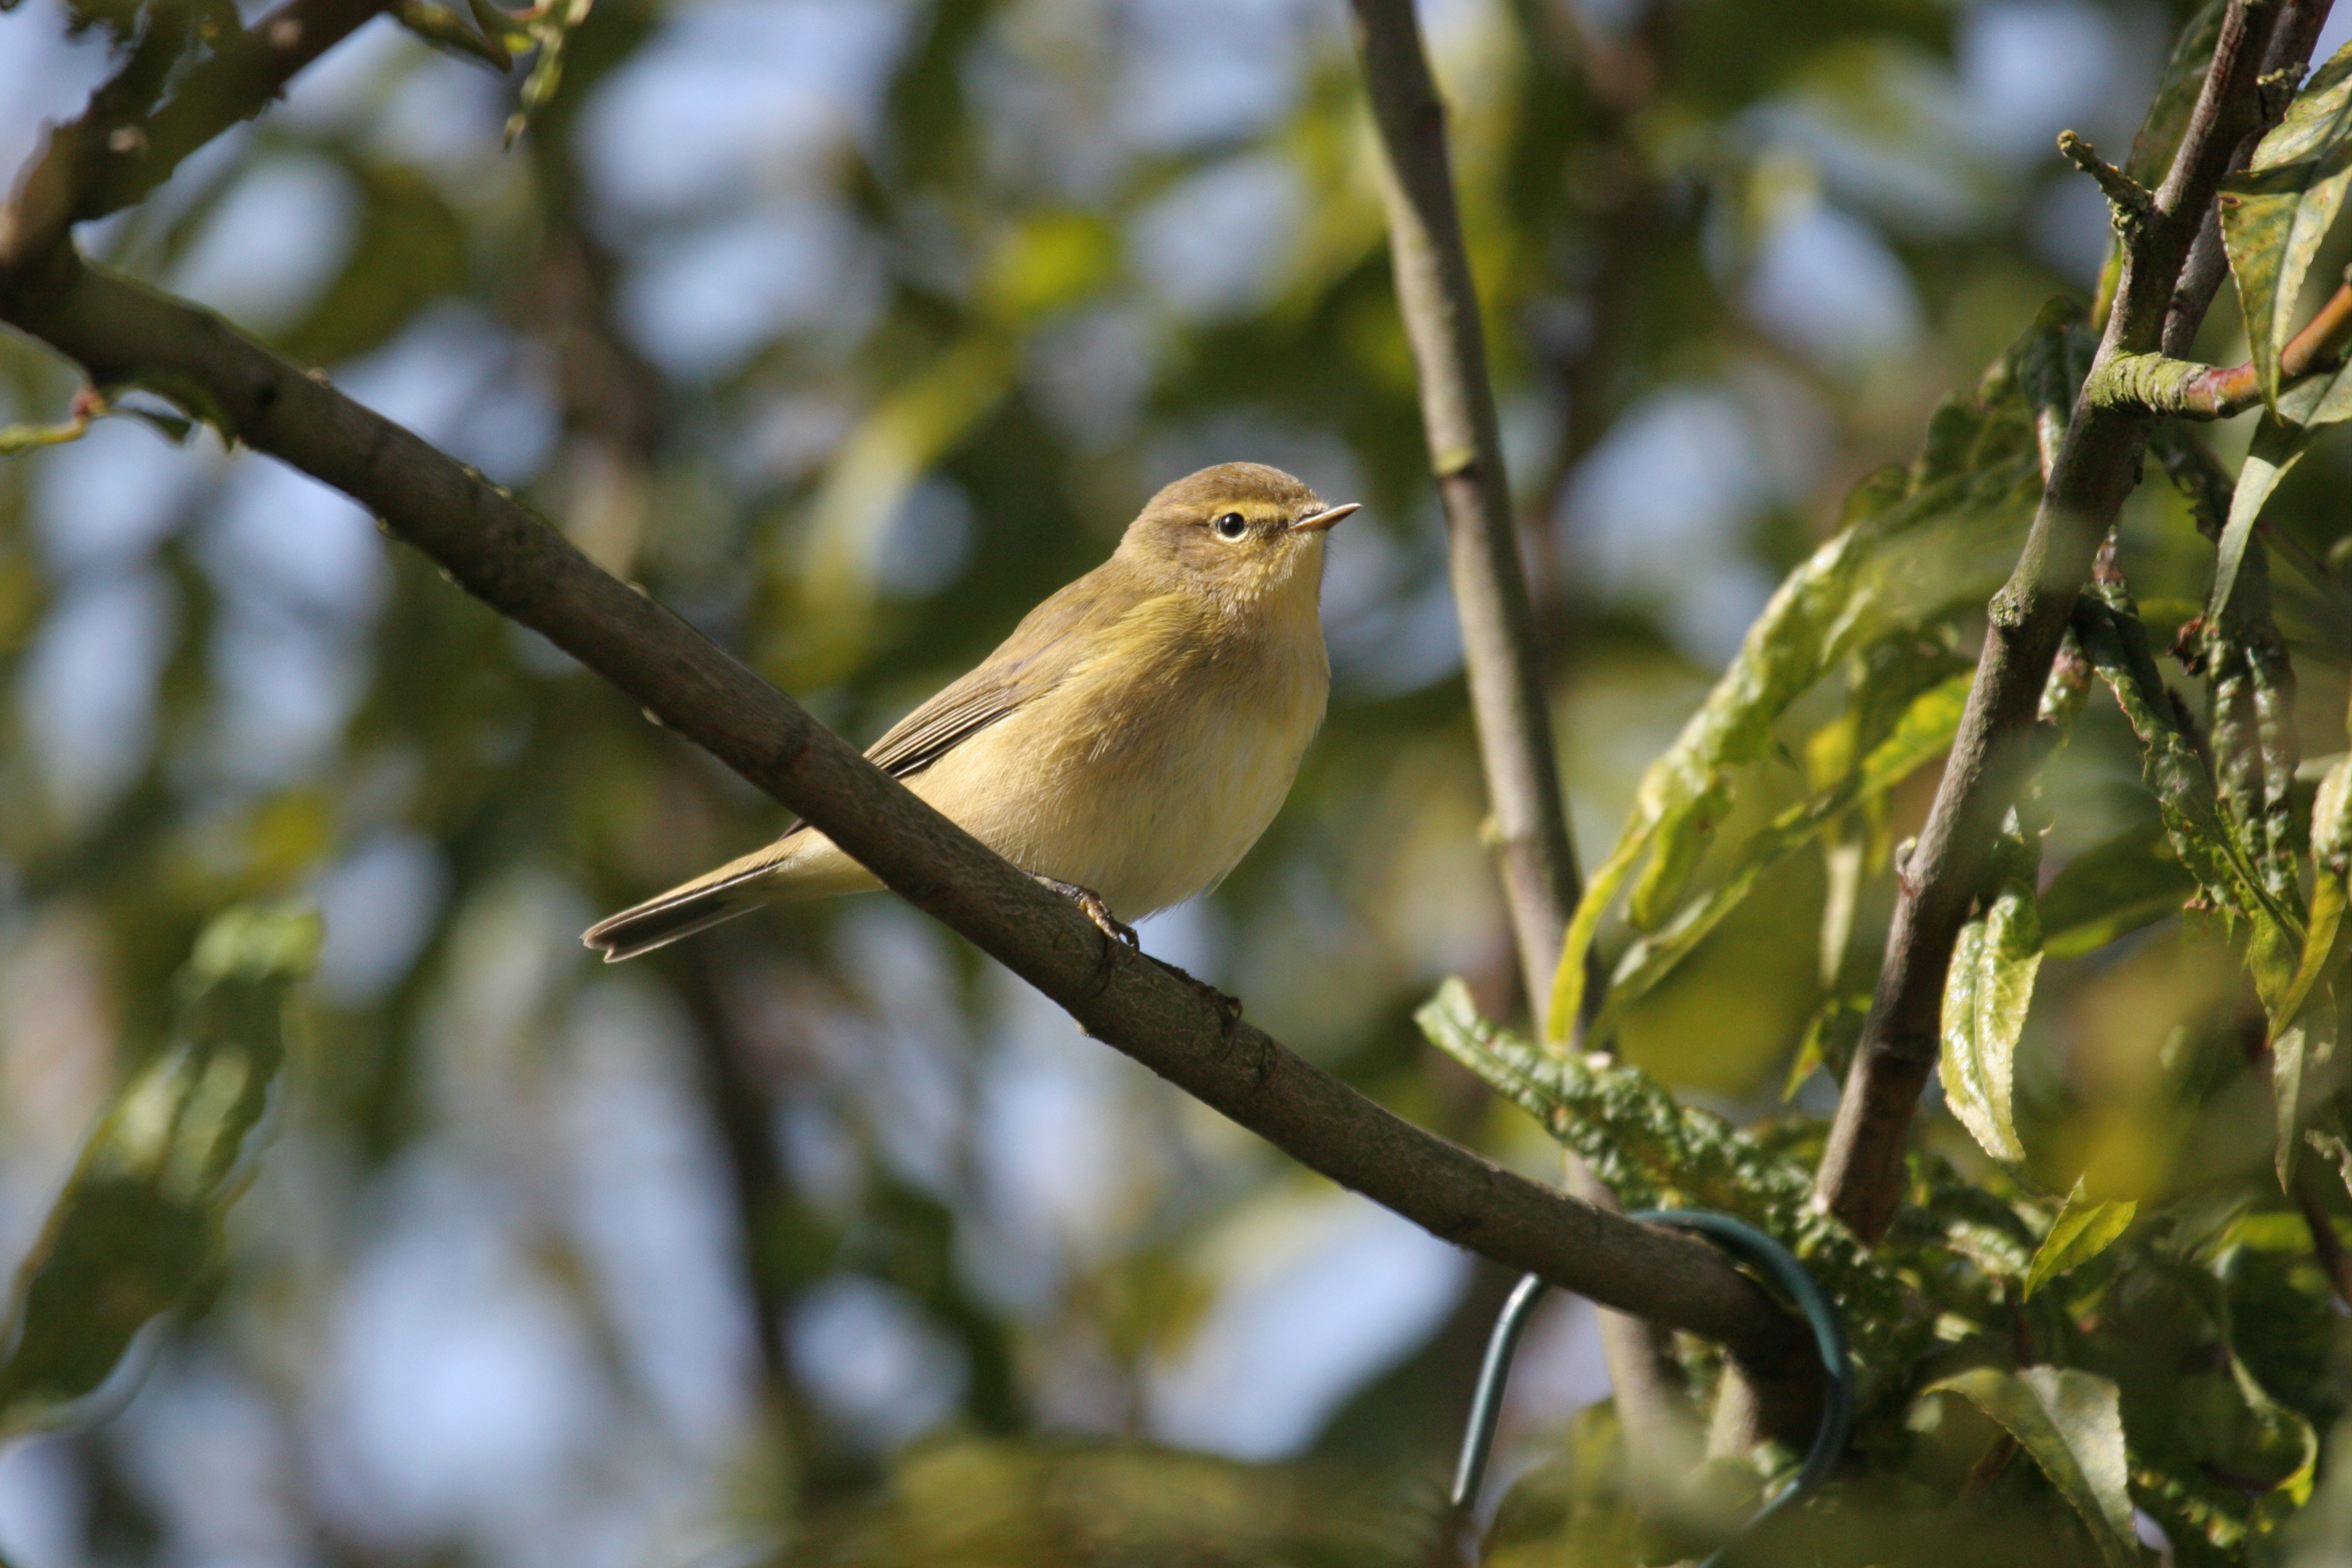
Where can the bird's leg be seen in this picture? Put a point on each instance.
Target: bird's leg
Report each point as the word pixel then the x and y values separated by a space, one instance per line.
pixel 1087 900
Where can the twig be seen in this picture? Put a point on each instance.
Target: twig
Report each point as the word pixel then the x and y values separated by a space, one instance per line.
pixel 2154 383
pixel 1862 1174
pixel 1508 694
pixel 496 549
pixel 113 155
pixel 2325 1245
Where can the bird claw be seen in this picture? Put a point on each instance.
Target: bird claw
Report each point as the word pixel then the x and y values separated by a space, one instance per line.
pixel 1091 904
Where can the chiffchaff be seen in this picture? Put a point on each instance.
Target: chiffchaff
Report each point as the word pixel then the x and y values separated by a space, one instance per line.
pixel 1128 742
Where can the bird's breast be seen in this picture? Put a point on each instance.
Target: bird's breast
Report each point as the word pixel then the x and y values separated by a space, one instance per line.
pixel 1153 767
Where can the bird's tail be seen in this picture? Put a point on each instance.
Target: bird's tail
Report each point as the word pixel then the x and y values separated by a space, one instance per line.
pixel 736 887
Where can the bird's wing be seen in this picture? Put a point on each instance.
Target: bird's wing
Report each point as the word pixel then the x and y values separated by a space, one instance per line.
pixel 1050 642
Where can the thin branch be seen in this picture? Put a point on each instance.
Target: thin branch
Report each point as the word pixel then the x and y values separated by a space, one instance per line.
pixel 496 549
pixel 1862 1174
pixel 1509 696
pixel 114 154
pixel 2154 383
pixel 1440 306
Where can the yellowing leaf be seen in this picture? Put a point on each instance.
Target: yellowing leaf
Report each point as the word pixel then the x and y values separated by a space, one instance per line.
pixel 2276 214
pixel 1986 994
pixel 2082 1231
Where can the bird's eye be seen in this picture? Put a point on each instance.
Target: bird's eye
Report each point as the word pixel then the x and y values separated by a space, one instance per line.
pixel 1232 525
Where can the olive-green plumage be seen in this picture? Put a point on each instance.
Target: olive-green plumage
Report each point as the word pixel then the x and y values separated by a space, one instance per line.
pixel 1133 737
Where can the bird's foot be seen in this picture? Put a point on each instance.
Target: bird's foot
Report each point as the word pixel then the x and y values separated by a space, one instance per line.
pixel 1229 1008
pixel 1096 911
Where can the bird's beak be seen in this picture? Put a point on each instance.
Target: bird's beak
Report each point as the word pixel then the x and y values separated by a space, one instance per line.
pixel 1316 522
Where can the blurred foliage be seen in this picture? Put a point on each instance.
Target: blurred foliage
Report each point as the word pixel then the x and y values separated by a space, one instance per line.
pixel 852 329
pixel 139 1221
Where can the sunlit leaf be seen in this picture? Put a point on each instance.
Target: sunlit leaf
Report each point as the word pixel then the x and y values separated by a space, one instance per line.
pixel 2070 1424
pixel 2082 1231
pixel 1987 991
pixel 1924 732
pixel 1654 1152
pixel 1915 542
pixel 2277 447
pixel 140 1217
pixel 2276 214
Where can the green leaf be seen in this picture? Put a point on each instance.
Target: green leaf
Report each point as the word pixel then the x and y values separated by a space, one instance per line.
pixel 2176 97
pixel 2112 889
pixel 1654 1152
pixel 2276 214
pixel 2116 645
pixel 2082 1231
pixel 2277 447
pixel 1987 992
pixel 1916 544
pixel 2070 1424
pixel 1923 732
pixel 140 1219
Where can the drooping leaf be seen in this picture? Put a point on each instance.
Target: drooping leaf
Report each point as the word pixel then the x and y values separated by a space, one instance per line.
pixel 139 1218
pixel 2112 889
pixel 1915 544
pixel 2070 1424
pixel 2082 1231
pixel 2116 645
pixel 1987 991
pixel 1924 732
pixel 2276 214
pixel 2276 447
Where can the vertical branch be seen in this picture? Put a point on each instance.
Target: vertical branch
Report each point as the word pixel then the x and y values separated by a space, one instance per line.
pixel 1862 1172
pixel 1508 694
pixel 1440 306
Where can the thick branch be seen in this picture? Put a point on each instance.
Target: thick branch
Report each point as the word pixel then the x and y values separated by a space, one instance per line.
pixel 2154 383
pixel 1862 1175
pixel 498 550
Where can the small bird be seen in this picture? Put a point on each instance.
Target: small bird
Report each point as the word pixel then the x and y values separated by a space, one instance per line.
pixel 1126 745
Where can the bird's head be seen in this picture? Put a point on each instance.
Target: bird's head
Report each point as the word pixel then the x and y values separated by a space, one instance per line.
pixel 1242 532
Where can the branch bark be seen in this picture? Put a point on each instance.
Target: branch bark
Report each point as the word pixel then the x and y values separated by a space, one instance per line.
pixel 496 549
pixel 2155 384
pixel 1861 1173
pixel 1509 695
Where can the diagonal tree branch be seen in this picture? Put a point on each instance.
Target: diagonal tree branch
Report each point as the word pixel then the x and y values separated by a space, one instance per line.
pixel 496 549
pixel 1861 1173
